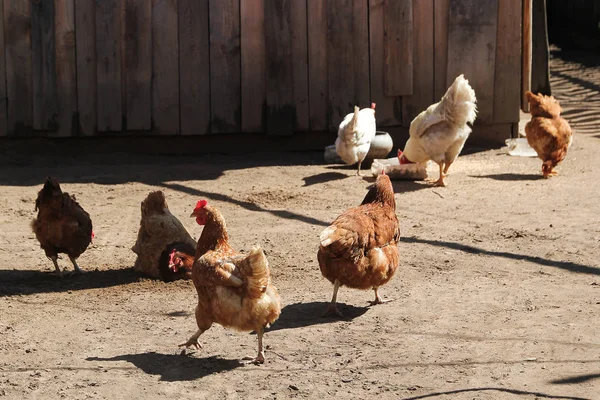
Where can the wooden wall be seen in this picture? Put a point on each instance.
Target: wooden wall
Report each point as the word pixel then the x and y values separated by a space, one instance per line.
pixel 194 67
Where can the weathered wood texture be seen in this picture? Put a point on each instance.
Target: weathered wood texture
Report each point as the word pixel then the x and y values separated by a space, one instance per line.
pixel 398 47
pixel 225 66
pixel 472 49
pixel 194 68
pixel 526 53
pixel 165 67
pixel 85 29
pixel 108 64
pixel 423 73
pixel 138 64
pixel 85 67
pixel 389 108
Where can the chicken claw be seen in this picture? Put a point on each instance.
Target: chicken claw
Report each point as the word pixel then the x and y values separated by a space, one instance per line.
pixel 333 311
pixel 440 182
pixel 193 341
pixel 378 299
pixel 260 359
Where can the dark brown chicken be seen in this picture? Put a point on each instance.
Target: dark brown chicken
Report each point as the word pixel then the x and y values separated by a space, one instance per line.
pixel 360 248
pixel 62 225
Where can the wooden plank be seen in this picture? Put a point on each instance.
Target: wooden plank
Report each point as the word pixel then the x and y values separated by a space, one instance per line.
pixel 138 64
pixel 507 84
pixel 3 103
pixel 389 108
pixel 423 59
pixel 17 31
pixel 253 58
pixel 281 110
pixel 472 49
pixel 398 47
pixel 440 60
pixel 108 72
pixel 540 54
pixel 360 52
pixel 317 66
pixel 526 54
pixel 85 26
pixel 43 56
pixel 225 66
pixel 165 67
pixel 299 29
pixel 66 67
pixel 194 95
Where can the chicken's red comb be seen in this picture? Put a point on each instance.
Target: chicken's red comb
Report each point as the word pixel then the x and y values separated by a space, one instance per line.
pixel 200 204
pixel 171 263
pixel 373 105
pixel 399 153
pixel 93 234
pixel 382 171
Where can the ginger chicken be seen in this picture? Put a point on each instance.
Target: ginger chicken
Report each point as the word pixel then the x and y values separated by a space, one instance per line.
pixel 160 233
pixel 234 289
pixel 548 133
pixel 440 132
pixel 355 134
pixel 360 248
pixel 62 225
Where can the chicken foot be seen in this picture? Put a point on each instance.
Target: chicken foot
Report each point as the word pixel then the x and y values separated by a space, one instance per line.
pixel 193 341
pixel 260 358
pixel 332 310
pixel 378 299
pixel 77 269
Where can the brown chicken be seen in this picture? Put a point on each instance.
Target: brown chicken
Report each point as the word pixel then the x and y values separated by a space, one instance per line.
pixel 548 133
pixel 234 290
pixel 360 248
pixel 62 225
pixel 160 233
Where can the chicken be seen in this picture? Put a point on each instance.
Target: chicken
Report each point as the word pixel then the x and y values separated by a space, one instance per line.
pixel 355 134
pixel 159 234
pixel 360 248
pixel 548 133
pixel 234 290
pixel 62 225
pixel 440 132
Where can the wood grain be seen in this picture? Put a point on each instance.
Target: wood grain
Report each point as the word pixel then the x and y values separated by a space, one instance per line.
pixel 254 69
pixel 299 45
pixel 17 47
pixel 472 49
pixel 138 64
pixel 108 67
pixel 3 102
pixel 317 66
pixel 85 28
pixel 398 47
pixel 225 66
pixel 66 67
pixel 194 95
pixel 440 61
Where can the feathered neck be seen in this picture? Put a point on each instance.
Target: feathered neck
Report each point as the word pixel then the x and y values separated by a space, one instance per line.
pixel 214 235
pixel 382 192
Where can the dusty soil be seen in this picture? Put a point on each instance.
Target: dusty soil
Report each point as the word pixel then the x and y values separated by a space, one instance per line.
pixel 497 295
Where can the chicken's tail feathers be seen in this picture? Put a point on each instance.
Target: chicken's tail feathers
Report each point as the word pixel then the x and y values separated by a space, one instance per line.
pixel 255 268
pixel 460 102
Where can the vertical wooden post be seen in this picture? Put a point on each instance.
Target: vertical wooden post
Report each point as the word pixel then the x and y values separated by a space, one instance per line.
pixel 526 56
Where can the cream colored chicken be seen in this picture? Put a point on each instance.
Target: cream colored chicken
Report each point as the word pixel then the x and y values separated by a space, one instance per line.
pixel 355 134
pixel 440 132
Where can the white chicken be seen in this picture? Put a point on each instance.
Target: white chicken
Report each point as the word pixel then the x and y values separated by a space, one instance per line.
pixel 440 132
pixel 355 134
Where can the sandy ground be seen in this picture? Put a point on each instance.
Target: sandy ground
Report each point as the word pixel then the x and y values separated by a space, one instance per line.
pixel 497 295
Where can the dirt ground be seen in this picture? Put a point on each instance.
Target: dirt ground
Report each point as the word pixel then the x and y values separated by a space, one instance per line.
pixel 497 295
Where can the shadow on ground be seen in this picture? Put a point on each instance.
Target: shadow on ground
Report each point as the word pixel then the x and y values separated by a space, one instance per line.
pixel 175 368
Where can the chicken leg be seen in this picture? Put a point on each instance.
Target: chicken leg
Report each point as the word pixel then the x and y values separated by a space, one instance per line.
pixel 378 299
pixel 441 181
pixel 260 358
pixel 77 269
pixel 332 310
pixel 55 262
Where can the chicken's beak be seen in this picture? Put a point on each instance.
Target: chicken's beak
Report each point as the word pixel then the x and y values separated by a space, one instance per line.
pixel 193 215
